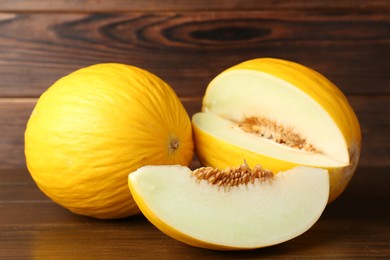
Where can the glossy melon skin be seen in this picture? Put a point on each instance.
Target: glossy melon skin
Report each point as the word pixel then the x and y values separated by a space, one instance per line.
pixel 216 152
pixel 97 124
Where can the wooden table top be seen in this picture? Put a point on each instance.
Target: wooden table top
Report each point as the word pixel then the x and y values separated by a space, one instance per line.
pixel 187 43
pixel 32 226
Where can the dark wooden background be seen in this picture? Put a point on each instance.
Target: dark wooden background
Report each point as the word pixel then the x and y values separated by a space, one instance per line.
pixel 187 43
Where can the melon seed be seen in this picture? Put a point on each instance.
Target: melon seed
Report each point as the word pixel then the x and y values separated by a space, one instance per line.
pixel 266 128
pixel 241 175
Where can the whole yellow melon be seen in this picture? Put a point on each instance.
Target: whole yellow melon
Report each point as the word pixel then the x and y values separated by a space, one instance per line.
pixel 93 127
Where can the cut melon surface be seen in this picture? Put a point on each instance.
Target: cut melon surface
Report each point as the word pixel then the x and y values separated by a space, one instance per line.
pixel 245 216
pixel 281 115
pixel 239 94
pixel 212 124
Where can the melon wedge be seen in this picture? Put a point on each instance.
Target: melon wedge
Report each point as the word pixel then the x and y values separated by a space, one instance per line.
pixel 250 215
pixel 279 114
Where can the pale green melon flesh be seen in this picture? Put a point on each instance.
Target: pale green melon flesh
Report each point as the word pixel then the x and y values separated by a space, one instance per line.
pixel 227 131
pixel 246 216
pixel 239 94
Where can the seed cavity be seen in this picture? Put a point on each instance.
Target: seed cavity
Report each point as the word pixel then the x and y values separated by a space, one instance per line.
pixel 230 177
pixel 266 128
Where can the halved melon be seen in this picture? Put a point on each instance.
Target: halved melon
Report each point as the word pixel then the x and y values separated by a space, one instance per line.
pixel 234 209
pixel 281 115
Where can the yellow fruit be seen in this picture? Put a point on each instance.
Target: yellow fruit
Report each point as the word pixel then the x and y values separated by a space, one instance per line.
pixel 94 126
pixel 235 209
pixel 279 114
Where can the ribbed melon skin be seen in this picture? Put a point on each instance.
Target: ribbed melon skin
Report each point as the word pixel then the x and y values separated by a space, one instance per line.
pixel 93 127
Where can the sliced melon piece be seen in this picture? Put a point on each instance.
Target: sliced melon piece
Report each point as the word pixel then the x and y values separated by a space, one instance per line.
pixel 234 209
pixel 279 114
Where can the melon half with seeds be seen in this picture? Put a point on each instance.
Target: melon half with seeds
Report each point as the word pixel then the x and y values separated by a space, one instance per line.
pixel 279 114
pixel 236 208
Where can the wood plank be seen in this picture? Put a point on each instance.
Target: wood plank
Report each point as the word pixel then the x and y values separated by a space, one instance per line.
pixel 354 226
pixel 372 112
pixel 188 49
pixel 138 239
pixel 199 5
pixel 13 117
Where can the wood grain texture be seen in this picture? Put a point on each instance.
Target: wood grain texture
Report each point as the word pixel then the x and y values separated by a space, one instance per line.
pixel 199 5
pixel 351 49
pixel 187 43
pixel 354 226
pixel 372 113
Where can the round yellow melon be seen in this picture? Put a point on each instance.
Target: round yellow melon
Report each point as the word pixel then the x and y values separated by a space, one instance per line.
pixel 279 114
pixel 94 126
